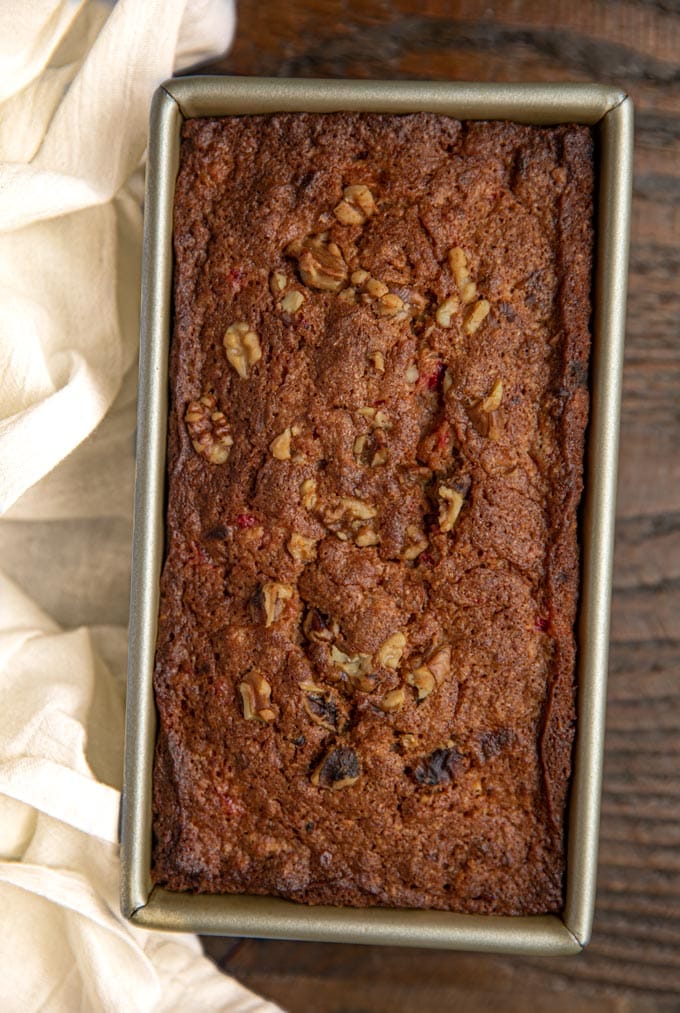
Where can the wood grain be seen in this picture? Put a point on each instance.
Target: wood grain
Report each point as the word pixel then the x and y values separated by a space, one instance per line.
pixel 633 961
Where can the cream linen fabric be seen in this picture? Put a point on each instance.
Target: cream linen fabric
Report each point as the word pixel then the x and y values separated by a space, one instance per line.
pixel 76 80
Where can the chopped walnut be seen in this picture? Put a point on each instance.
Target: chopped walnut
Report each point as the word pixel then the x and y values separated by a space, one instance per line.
pixel 359 445
pixel 376 417
pixel 378 360
pixel 340 768
pixel 277 283
pixel 493 401
pixel 376 289
pixel 301 548
pixel 357 508
pixel 292 301
pixel 449 508
pixel 379 458
pixel 431 674
pixel 393 701
pixel 347 295
pixel 475 316
pixel 412 373
pixel 446 310
pixel 357 205
pixel 308 493
pixel 356 667
pixel 485 413
pixel 459 269
pixel 321 264
pixel 439 663
pixel 208 430
pixel 423 680
pixel 360 277
pixel 417 543
pixel 280 445
pixel 256 698
pixel 366 536
pixel 275 596
pixel 390 652
pixel 242 346
pixel 390 305
pixel 447 381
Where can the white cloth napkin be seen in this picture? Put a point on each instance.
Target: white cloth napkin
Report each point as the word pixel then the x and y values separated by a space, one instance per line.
pixel 76 79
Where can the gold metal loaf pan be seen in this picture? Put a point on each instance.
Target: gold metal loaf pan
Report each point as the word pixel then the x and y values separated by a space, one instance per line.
pixel 610 112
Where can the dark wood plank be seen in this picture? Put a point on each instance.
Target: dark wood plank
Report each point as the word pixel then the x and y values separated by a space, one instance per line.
pixel 633 962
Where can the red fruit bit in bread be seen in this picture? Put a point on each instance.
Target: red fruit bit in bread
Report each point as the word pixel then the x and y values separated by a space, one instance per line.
pixel 246 521
pixel 433 380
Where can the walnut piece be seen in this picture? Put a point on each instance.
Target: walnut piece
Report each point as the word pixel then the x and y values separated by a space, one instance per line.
pixel 446 310
pixel 256 698
pixel 439 663
pixel 485 413
pixel 308 493
pixel 242 346
pixel 431 674
pixel 459 269
pixel 357 508
pixel 423 680
pixel 275 596
pixel 376 417
pixel 292 301
pixel 393 701
pixel 208 430
pixel 357 667
pixel 391 305
pixel 475 316
pixel 340 768
pixel 360 277
pixel 321 264
pixel 378 360
pixel 398 303
pixel 493 402
pixel 412 373
pixel 389 653
pixel 376 289
pixel 277 283
pixel 450 507
pixel 417 542
pixel 301 548
pixel 366 536
pixel 280 445
pixel 356 206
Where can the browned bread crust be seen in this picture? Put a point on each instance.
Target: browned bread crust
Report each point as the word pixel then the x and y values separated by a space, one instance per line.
pixel 365 664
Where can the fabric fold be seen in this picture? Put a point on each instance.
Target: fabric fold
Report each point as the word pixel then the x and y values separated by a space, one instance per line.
pixel 76 81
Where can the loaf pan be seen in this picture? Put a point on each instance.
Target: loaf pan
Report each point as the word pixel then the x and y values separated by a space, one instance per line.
pixel 609 111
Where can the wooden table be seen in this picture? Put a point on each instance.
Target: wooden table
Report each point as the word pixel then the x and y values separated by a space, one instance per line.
pixel 633 962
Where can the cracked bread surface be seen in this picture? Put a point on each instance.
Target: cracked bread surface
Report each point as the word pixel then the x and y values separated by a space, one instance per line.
pixel 378 397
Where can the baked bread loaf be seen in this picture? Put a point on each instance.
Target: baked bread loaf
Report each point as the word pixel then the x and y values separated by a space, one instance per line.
pixel 378 380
